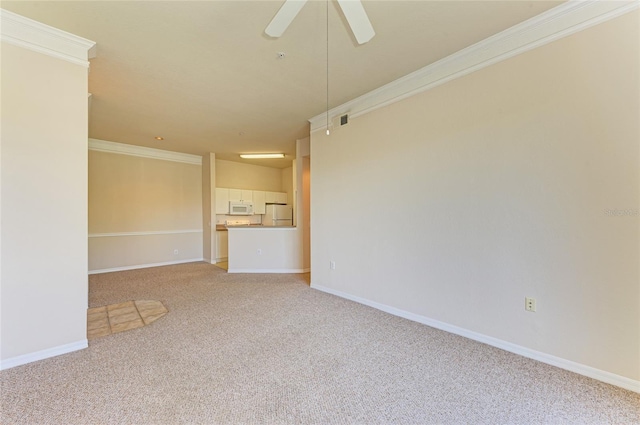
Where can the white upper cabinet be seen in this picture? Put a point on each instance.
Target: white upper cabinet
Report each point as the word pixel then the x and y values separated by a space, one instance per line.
pixel 258 198
pixel 235 195
pixel 222 200
pixel 281 198
pixel 247 195
pixel 276 198
pixel 270 197
pixel 259 202
pixel 240 195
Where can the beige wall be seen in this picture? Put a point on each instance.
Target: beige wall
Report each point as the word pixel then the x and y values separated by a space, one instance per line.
pixel 303 198
pixel 118 252
pixel 287 184
pixel 458 202
pixel 208 248
pixel 44 206
pixel 209 207
pixel 132 194
pixel 236 175
pixel 160 198
pixel 306 211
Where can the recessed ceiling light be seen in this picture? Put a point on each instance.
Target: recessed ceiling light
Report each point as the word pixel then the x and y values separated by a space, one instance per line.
pixel 159 138
pixel 261 155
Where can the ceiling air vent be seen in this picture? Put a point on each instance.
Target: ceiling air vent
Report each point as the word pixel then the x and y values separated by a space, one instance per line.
pixel 344 119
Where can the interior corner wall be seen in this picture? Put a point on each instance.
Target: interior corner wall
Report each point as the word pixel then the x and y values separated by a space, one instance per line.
pixel 143 212
pixel 303 198
pixel 287 183
pixel 518 180
pixel 212 246
pixel 208 254
pixel 44 206
pixel 306 211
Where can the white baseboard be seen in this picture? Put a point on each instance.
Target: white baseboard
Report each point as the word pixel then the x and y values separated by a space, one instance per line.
pixel 268 270
pixel 591 372
pixel 43 354
pixel 145 266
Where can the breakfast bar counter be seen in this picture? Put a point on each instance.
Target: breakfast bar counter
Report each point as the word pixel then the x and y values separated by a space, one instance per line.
pixel 265 249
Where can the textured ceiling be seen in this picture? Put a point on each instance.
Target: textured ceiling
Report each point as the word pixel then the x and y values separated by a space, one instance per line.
pixel 204 76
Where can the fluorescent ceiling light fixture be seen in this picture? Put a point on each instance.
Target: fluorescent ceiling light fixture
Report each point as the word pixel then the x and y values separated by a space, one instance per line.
pixel 261 155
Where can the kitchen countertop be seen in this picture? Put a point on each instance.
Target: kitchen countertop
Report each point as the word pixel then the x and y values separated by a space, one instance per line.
pixel 253 226
pixel 224 227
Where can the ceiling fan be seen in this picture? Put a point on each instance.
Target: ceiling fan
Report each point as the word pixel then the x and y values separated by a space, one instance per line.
pixel 352 9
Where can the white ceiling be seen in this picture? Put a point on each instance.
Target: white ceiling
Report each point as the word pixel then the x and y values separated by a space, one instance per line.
pixel 204 76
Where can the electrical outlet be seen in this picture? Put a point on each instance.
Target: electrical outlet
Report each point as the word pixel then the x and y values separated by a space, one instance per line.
pixel 175 252
pixel 332 265
pixel 530 304
pixel 259 251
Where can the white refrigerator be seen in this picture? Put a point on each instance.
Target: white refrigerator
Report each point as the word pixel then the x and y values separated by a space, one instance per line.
pixel 278 215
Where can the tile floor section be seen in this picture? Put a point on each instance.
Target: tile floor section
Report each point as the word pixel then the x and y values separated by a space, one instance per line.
pixel 114 318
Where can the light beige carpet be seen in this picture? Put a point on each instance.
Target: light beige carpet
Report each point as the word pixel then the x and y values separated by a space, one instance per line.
pixel 267 349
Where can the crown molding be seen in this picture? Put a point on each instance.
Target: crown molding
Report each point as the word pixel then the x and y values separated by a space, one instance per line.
pixel 141 151
pixel 41 38
pixel 554 24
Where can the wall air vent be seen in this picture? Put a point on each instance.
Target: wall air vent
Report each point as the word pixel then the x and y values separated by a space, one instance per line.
pixel 344 119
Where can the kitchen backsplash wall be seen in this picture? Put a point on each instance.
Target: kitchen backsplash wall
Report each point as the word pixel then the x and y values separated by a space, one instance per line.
pixel 254 219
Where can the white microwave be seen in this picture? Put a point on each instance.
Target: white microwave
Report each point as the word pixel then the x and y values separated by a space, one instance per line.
pixel 237 208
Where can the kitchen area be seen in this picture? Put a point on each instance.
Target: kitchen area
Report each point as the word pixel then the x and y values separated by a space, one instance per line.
pixel 255 231
pixel 178 208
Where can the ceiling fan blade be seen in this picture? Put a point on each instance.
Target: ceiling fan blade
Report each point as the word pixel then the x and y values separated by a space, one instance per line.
pixel 358 20
pixel 283 18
